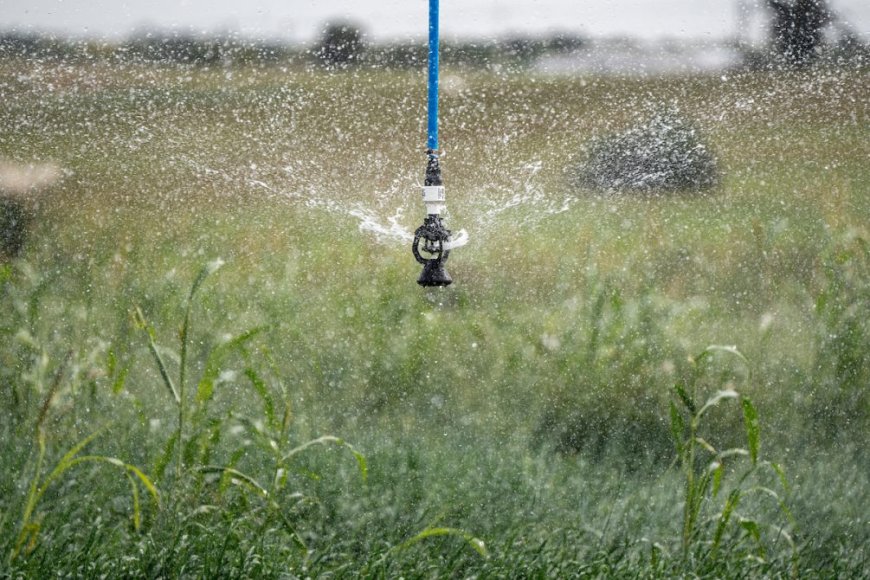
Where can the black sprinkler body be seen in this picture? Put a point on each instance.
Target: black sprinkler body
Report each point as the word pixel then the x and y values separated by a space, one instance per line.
pixel 431 237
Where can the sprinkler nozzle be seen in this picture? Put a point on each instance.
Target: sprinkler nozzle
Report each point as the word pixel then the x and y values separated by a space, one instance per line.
pixel 430 239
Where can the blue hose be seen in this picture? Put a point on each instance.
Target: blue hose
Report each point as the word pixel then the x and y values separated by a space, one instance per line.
pixel 432 142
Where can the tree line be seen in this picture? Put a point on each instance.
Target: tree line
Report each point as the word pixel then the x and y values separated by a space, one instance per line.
pixel 340 46
pixel 796 39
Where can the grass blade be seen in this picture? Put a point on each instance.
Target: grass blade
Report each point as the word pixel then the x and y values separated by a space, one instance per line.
pixel 262 390
pixel 146 482
pixel 718 469
pixel 204 273
pixel 678 428
pixel 329 439
pixel 152 346
pixel 33 495
pixel 27 536
pixel 475 543
pixel 685 398
pixel 120 380
pixel 753 435
pixel 67 460
pixel 724 518
pixel 163 460
pixel 780 472
pixel 238 478
pixel 137 512
pixel 728 349
pixel 715 400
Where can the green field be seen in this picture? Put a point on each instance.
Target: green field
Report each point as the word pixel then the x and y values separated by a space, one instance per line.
pixel 535 419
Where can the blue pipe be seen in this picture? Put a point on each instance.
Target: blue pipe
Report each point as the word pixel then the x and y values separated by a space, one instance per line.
pixel 432 142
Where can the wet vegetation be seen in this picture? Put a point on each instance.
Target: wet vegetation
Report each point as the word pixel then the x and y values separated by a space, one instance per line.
pixel 214 360
pixel 662 154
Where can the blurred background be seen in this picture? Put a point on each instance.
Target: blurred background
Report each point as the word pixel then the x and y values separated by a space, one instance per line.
pixel 617 35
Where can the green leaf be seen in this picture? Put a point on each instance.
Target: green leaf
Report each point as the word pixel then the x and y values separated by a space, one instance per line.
pixel 146 482
pixel 137 512
pixel 734 452
pixel 753 432
pixel 130 471
pixel 238 478
pixel 475 543
pixel 152 346
pixel 111 362
pixel 28 535
pixel 706 445
pixel 685 398
pixel 216 359
pixel 263 391
pixel 678 428
pixel 754 532
pixel 713 401
pixel 33 494
pixel 75 450
pixel 780 472
pixel 779 501
pixel 727 349
pixel 329 439
pixel 120 380
pixel 204 273
pixel 163 460
pixel 718 469
pixel 226 480
pixel 71 459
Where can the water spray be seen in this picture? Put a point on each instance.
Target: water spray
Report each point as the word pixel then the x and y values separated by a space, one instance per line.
pixel 432 241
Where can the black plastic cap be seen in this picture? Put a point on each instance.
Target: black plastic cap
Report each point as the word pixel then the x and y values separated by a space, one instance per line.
pixel 434 274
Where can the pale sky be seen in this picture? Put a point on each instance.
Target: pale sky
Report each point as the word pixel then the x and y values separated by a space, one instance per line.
pixel 301 20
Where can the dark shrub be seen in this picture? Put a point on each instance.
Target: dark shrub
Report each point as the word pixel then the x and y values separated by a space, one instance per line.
pixel 340 46
pixel 665 153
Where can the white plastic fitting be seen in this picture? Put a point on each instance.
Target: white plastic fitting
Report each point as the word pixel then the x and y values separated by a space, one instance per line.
pixel 435 199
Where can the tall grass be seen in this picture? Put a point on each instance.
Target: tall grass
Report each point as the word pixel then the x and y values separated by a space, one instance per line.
pixel 527 407
pixel 704 475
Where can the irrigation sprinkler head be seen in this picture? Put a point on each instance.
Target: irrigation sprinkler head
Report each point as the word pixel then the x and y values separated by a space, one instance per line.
pixel 431 240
